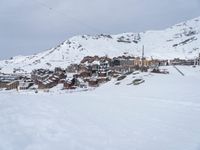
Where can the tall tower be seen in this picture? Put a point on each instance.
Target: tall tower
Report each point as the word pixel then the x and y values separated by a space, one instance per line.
pixel 198 60
pixel 142 58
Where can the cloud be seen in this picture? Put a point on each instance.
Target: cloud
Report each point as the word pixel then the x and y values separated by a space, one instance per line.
pixel 27 27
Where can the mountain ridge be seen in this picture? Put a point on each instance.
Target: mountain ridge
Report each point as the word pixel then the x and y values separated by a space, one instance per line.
pixel 179 41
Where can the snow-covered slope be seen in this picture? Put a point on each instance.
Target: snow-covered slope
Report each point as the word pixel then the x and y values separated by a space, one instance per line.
pixel 181 40
pixel 160 114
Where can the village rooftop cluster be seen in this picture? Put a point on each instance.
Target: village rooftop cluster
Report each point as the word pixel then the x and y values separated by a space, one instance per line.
pixel 92 71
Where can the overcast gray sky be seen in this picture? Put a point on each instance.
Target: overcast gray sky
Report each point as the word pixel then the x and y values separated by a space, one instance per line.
pixel 31 26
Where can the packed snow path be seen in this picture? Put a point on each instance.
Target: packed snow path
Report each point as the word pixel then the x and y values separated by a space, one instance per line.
pixel 160 114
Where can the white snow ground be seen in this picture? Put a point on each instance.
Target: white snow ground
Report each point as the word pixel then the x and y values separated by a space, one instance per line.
pixel 161 114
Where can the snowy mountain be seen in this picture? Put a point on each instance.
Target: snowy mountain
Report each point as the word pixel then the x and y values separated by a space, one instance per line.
pixel 179 41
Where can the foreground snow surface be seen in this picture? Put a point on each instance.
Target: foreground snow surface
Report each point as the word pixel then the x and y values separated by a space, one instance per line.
pixel 161 114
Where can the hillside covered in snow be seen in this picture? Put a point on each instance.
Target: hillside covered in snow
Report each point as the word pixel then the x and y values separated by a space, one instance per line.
pixel 160 114
pixel 179 41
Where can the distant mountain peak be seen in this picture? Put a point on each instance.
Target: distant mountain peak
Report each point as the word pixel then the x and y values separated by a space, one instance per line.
pixel 179 41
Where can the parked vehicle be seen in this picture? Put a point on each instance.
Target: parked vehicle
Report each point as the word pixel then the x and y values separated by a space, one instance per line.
pixel 138 81
pixel 121 77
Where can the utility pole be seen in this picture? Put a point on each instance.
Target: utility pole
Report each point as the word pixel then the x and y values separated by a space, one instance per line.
pixel 198 60
pixel 195 62
pixel 142 69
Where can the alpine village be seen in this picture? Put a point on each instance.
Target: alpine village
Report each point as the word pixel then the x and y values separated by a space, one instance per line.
pixel 92 71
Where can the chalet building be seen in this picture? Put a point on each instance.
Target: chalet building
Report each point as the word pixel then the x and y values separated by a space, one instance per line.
pixel 40 74
pixel 71 83
pixel 83 68
pixel 197 60
pixel 115 73
pixel 126 62
pixel 149 63
pixel 93 82
pixel 59 75
pixel 97 66
pixel 3 84
pixel 163 62
pixel 101 68
pixel 46 79
pixel 68 85
pixel 25 85
pixel 9 85
pixel 102 74
pixel 89 59
pixel 7 79
pixel 155 63
pixel 105 63
pixel 61 81
pixel 52 81
pixel 103 80
pixel 96 81
pixel 85 74
pixel 122 64
pixel 122 61
pixel 145 62
pixel 122 69
pixel 189 62
pixel 137 62
pixel 48 83
pixel 178 61
pixel 12 85
pixel 115 62
pixel 59 70
pixel 94 68
pixel 73 68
